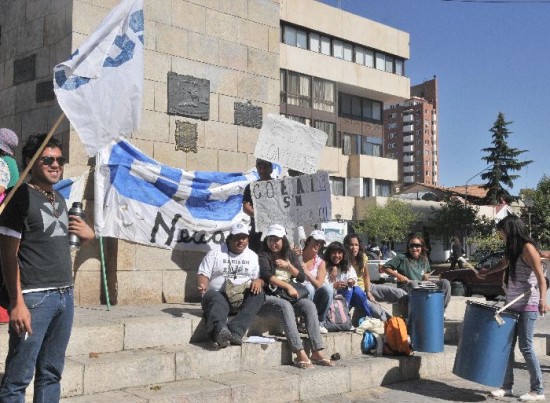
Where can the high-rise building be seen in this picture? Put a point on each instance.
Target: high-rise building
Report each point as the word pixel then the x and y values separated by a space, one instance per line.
pixel 411 135
pixel 339 72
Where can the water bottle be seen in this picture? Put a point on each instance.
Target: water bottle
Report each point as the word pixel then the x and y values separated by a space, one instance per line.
pixel 76 209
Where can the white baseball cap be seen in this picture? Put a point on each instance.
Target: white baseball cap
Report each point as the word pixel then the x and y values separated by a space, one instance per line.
pixel 239 228
pixel 318 235
pixel 276 230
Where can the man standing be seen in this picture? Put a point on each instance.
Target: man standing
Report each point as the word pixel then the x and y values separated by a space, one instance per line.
pixel 264 168
pixel 234 266
pixel 37 269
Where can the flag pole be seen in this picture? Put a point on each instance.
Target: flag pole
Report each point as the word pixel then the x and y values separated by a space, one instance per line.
pixel 32 161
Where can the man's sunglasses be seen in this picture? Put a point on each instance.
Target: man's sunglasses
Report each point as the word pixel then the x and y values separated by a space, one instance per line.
pixel 415 245
pixel 50 160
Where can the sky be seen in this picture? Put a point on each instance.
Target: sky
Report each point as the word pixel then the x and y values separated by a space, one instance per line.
pixel 489 56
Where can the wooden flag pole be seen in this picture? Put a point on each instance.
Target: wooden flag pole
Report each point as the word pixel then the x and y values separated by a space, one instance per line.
pixel 32 161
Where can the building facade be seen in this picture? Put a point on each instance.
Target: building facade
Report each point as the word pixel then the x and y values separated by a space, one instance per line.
pixel 253 56
pixel 411 135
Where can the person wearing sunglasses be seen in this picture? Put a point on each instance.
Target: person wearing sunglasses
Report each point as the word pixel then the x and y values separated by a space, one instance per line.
pixel 413 266
pixel 37 272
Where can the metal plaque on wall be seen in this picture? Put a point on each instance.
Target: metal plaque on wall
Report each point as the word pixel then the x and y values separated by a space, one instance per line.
pixel 248 115
pixel 188 96
pixel 186 136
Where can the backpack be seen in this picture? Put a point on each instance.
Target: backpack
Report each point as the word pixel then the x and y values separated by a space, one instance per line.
pixel 338 318
pixel 368 343
pixel 397 339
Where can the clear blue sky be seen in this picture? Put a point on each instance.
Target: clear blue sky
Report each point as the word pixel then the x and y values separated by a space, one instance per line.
pixel 488 58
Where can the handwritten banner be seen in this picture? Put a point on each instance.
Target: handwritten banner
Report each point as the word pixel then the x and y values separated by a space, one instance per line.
pixel 291 202
pixel 290 144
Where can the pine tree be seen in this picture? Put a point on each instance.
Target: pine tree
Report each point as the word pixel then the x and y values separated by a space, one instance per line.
pixel 503 160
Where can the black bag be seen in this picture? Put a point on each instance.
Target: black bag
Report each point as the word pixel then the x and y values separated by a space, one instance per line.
pixel 280 293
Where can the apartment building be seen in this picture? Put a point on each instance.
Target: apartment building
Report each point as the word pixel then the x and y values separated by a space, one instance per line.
pixel 411 135
pixel 339 72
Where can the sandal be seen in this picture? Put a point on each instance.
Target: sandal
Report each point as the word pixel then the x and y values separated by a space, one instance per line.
pixel 324 362
pixel 303 364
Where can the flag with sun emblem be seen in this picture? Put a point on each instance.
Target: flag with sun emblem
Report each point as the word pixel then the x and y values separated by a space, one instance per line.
pixel 100 87
pixel 141 200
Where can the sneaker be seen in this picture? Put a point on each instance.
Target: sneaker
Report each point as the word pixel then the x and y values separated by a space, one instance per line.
pixel 531 396
pixel 502 393
pixel 323 329
pixel 223 338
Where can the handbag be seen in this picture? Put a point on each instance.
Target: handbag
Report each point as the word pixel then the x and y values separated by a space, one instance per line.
pixel 281 293
pixel 235 294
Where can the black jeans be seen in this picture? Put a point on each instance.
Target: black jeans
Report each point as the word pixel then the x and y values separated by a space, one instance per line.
pixel 216 311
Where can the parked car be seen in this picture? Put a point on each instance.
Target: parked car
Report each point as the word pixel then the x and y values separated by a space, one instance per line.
pixel 465 282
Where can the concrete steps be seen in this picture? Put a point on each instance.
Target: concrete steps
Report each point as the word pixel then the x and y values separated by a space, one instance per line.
pixel 161 353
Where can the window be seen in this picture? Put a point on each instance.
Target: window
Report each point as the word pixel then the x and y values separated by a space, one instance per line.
pixel 361 108
pixel 348 52
pixel 389 64
pixel 325 45
pixel 338 49
pixel 380 61
pixel 359 55
pixel 383 188
pixel 301 39
pixel 350 144
pixel 369 58
pixel 399 67
pixel 314 42
pixel 337 185
pixel 427 173
pixel 298 89
pixel 330 129
pixel 323 95
pixel 366 187
pixel 301 119
pixel 371 146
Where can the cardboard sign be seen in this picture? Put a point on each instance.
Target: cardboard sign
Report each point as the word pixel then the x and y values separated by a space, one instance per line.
pixel 290 144
pixel 291 202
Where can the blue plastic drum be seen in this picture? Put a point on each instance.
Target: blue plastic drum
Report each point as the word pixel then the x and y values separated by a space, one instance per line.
pixel 484 346
pixel 426 321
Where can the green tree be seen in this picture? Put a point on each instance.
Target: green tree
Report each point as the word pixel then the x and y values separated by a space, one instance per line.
pixel 503 160
pixel 392 221
pixel 454 218
pixel 540 212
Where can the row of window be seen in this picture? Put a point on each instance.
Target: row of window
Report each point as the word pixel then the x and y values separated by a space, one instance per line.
pixel 331 46
pixel 382 188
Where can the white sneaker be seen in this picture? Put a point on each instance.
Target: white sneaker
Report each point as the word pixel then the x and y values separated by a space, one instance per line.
pixel 323 329
pixel 531 396
pixel 502 393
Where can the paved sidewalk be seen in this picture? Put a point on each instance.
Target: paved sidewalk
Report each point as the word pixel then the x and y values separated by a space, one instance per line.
pixel 449 387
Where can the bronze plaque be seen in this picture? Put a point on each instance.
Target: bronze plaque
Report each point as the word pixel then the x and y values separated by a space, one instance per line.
pixel 186 136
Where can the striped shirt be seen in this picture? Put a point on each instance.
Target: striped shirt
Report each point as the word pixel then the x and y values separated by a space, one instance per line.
pixel 525 280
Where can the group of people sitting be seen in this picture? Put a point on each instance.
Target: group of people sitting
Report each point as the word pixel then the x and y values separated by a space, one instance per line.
pixel 298 283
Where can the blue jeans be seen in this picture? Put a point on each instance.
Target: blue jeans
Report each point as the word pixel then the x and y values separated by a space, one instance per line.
pixel 322 298
pixel 524 336
pixel 356 298
pixel 43 352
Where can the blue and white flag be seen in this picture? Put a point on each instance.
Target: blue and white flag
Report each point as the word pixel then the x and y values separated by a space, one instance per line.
pixel 141 200
pixel 100 87
pixel 72 189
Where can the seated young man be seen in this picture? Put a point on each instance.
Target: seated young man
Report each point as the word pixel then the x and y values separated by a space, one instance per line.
pixel 236 264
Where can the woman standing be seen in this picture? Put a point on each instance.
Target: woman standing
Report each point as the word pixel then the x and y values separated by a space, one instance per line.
pixel 344 278
pixel 278 266
pixel 456 253
pixel 523 277
pixel 320 290
pixel 374 292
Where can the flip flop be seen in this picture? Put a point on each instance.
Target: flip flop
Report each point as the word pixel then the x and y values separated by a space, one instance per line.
pixel 324 362
pixel 303 364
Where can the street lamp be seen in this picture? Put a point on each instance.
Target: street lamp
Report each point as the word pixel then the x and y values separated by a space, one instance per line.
pixel 528 203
